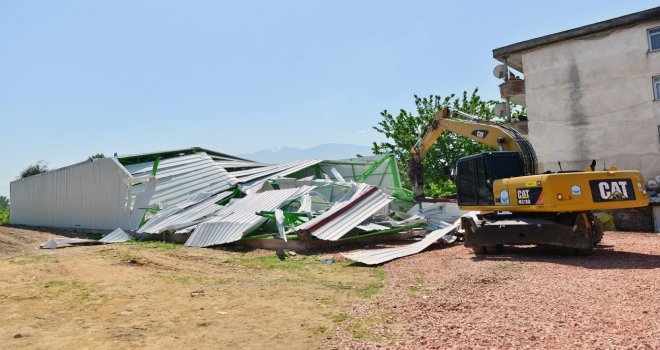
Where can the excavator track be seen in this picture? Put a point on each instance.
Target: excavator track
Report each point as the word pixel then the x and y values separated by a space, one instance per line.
pixel 578 231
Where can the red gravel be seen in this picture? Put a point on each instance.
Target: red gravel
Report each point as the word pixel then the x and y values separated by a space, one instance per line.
pixel 522 299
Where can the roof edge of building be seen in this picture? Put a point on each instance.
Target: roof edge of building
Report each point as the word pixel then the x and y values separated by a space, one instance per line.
pixel 614 23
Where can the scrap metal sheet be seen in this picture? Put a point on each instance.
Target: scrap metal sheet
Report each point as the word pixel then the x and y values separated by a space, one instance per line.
pixel 239 218
pixel 253 179
pixel 184 214
pixel 180 177
pixel 379 256
pixel 56 242
pixel 362 203
pixel 116 236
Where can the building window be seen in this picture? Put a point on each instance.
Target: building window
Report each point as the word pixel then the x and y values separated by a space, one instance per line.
pixel 656 88
pixel 654 39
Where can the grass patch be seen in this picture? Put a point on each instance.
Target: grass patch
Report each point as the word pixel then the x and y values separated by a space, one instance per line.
pixel 339 317
pixel 361 328
pixel 165 246
pixel 35 260
pixel 94 236
pixel 320 329
pixel 76 289
pixel 203 324
pixel 365 328
pixel 272 262
pixel 222 281
pixel 179 278
pixel 420 284
pixel 374 287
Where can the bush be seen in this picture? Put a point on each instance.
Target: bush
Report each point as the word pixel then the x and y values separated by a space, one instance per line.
pixel 34 169
pixel 4 216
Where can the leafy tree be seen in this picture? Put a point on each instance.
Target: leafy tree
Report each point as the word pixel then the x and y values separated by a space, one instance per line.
pixel 404 129
pixel 96 156
pixel 4 210
pixel 34 169
pixel 4 216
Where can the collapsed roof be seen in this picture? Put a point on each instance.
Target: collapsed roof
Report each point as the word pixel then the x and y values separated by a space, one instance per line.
pixel 208 198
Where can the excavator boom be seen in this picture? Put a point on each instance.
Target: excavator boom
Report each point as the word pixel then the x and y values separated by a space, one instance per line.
pixel 499 137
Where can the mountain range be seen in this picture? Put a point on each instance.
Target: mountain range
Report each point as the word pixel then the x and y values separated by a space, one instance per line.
pixel 327 151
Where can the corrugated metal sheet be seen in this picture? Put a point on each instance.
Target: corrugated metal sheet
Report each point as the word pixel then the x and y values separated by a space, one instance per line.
pixel 239 218
pixel 116 236
pixel 184 214
pixel 252 179
pixel 364 202
pixel 439 215
pixel 233 163
pixel 180 177
pixel 379 256
pixel 87 195
pixel 57 242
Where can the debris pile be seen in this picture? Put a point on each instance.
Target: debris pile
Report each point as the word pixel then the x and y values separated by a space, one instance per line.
pixel 208 200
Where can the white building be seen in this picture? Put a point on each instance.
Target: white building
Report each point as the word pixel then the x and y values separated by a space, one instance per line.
pixel 592 92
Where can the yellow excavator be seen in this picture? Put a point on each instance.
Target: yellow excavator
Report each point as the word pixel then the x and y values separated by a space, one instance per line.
pixel 518 206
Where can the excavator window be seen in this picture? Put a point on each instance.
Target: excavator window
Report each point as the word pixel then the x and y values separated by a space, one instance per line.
pixel 477 173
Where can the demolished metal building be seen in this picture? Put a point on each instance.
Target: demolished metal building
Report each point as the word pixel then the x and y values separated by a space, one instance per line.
pixel 206 198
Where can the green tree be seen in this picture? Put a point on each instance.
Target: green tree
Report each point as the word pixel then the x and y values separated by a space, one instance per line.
pixel 404 129
pixel 34 169
pixel 96 156
pixel 4 210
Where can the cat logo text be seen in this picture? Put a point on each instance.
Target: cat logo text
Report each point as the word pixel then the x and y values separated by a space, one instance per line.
pixel 612 190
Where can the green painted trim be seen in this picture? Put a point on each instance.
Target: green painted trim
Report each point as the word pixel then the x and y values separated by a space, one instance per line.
pixel 269 235
pixel 289 217
pixel 395 171
pixel 383 232
pixel 371 169
pixel 326 162
pixel 154 170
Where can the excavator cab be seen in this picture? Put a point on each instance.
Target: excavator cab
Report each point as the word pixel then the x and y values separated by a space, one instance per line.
pixel 475 175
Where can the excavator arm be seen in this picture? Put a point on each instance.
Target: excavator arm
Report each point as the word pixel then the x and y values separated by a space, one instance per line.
pixel 499 137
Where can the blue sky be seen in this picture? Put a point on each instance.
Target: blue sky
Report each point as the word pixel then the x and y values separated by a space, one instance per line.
pixel 85 77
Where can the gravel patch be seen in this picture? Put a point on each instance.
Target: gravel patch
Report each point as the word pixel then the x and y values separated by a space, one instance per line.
pixel 525 298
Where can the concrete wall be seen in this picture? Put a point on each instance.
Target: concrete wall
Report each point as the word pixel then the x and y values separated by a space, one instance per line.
pixel 592 98
pixel 90 195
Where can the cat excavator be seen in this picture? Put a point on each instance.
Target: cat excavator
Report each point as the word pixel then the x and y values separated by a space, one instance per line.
pixel 516 205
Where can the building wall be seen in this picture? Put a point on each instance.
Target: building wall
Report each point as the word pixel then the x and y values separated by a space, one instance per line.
pixel 88 195
pixel 592 98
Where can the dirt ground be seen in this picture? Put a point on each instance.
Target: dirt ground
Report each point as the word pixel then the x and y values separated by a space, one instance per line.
pixel 142 295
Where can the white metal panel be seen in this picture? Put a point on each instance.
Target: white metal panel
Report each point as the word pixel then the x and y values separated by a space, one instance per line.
pixel 180 177
pixel 283 169
pixel 239 218
pixel 116 236
pixel 362 203
pixel 184 214
pixel 251 183
pixel 87 195
pixel 379 256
